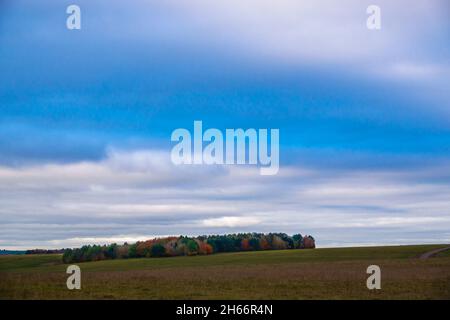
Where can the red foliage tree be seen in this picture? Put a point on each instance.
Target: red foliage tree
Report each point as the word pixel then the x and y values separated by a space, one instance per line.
pixel 204 248
pixel 264 244
pixel 245 245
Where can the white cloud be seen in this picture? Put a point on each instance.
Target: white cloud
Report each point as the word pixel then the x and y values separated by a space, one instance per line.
pixel 414 71
pixel 231 222
pixel 321 31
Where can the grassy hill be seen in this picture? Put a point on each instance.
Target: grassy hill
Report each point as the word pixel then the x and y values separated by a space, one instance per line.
pixel 337 273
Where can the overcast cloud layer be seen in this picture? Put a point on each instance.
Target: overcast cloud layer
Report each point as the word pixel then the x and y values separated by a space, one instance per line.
pixel 137 195
pixel 86 118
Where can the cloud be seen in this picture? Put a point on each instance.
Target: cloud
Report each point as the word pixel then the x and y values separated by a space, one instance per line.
pixel 139 69
pixel 139 194
pixel 410 71
pixel 323 31
pixel 231 222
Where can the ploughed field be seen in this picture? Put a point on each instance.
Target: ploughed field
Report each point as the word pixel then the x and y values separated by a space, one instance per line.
pixel 332 273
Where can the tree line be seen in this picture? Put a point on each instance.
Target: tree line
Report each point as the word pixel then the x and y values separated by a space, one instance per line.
pixel 44 251
pixel 189 246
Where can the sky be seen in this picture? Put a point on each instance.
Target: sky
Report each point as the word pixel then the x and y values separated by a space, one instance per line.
pixel 86 117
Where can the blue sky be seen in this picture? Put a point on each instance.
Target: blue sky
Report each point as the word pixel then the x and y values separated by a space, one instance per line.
pixel 86 117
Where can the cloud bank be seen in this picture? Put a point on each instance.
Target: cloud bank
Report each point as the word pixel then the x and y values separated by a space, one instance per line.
pixel 131 196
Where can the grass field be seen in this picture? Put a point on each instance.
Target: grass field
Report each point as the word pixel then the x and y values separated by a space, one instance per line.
pixel 337 273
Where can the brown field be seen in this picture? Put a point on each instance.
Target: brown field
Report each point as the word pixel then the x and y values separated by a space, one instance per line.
pixel 288 274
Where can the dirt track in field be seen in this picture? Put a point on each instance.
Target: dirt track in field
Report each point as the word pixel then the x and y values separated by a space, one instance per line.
pixel 432 253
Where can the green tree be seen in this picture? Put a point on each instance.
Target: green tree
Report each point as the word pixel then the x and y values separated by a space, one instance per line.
pixel 132 251
pixel 68 256
pixel 254 243
pixel 111 251
pixel 192 246
pixel 158 250
pixel 298 240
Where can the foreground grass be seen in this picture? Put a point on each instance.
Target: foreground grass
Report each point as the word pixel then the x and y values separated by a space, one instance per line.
pixel 338 273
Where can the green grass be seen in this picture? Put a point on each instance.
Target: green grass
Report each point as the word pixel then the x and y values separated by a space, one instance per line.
pixel 28 262
pixel 443 254
pixel 53 263
pixel 337 273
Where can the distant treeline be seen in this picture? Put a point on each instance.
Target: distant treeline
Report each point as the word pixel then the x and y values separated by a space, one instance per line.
pixel 189 246
pixel 8 252
pixel 44 251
